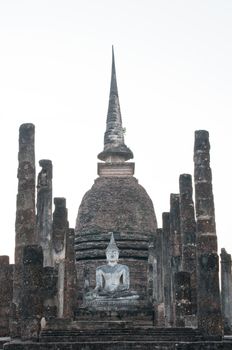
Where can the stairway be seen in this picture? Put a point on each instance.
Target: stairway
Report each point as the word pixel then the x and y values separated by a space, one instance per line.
pixel 117 335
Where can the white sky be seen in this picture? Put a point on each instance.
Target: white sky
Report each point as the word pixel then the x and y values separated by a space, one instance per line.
pixel 174 70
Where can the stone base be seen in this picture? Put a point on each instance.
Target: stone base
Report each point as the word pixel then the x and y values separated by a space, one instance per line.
pixel 107 304
pixel 61 334
pixel 108 338
pixel 121 316
pixel 119 345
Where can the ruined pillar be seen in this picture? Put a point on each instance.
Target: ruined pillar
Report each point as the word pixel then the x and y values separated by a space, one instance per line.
pixel 176 244
pixel 50 289
pixel 6 290
pixel 159 297
pixel 226 290
pixel 159 254
pixel 25 212
pixel 209 309
pixel 152 273
pixel 188 233
pixel 182 300
pixel 44 210
pixel 59 234
pixel 31 308
pixel 70 276
pixel 167 275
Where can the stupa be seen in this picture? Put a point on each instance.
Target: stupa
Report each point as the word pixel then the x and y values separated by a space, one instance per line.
pixel 116 203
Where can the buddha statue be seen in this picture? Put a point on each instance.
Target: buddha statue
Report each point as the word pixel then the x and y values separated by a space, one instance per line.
pixel 112 279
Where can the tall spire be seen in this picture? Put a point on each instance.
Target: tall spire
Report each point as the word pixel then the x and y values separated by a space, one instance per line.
pixel 115 149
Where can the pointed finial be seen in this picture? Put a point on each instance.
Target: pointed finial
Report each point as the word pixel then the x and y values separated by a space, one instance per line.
pixel 113 84
pixel 114 146
pixel 112 245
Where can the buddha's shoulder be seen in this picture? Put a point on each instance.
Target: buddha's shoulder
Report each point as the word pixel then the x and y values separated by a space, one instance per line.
pixel 123 267
pixel 102 268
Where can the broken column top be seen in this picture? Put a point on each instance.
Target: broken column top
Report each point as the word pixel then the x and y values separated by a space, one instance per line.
pixel 115 149
pixel 225 256
pixel 46 165
pixel 201 140
pixel 26 133
pixel 60 202
pixel 4 260
pixel 185 184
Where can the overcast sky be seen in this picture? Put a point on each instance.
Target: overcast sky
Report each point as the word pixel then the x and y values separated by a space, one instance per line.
pixel 174 70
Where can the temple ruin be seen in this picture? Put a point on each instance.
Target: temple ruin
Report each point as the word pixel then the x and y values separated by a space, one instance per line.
pixel 116 280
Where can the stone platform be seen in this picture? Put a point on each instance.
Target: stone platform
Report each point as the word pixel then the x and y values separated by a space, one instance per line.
pixel 119 336
pixel 115 334
pixel 121 345
pixel 133 316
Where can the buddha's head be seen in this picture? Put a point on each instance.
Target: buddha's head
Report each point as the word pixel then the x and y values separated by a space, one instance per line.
pixel 112 251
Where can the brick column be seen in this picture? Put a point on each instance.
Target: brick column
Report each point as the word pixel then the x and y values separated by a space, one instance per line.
pixel 70 276
pixel 209 308
pixel 6 289
pixel 25 213
pixel 159 307
pixel 182 297
pixel 44 210
pixel 168 307
pixel 59 234
pixel 226 290
pixel 31 308
pixel 176 248
pixel 188 232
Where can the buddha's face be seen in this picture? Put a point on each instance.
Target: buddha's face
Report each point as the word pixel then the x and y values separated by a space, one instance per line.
pixel 112 255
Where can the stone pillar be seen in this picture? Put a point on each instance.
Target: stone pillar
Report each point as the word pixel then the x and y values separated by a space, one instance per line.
pixel 159 254
pixel 159 298
pixel 31 308
pixel 50 281
pixel 59 234
pixel 226 290
pixel 176 245
pixel 44 210
pixel 152 273
pixel 25 212
pixel 188 232
pixel 209 308
pixel 168 309
pixel 6 291
pixel 182 287
pixel 70 276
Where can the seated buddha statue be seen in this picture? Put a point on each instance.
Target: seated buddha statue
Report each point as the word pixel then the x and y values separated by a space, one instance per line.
pixel 112 279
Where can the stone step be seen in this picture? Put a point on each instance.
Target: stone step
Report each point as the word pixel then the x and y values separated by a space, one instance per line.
pixel 112 324
pixel 125 330
pixel 148 334
pixel 119 331
pixel 86 339
pixel 139 345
